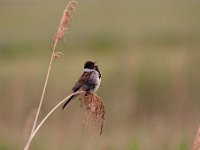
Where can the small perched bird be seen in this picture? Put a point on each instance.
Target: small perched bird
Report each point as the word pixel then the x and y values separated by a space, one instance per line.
pixel 89 81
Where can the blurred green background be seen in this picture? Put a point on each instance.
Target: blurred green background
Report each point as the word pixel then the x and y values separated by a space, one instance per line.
pixel 148 53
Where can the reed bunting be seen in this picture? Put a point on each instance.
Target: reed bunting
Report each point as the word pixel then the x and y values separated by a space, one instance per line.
pixel 89 81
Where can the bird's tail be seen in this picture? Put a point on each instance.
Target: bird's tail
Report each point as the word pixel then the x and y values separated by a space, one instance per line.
pixel 67 102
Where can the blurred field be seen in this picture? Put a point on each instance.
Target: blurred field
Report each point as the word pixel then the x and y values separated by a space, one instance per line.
pixel 148 52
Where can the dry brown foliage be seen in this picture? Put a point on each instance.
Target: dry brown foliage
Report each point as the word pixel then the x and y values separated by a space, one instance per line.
pixel 64 22
pixel 94 106
pixel 196 143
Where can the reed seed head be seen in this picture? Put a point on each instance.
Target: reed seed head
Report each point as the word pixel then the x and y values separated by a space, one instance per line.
pixel 65 21
pixel 94 107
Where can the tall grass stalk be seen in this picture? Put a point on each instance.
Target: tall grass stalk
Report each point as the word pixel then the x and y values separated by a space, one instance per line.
pixel 47 116
pixel 196 143
pixel 63 27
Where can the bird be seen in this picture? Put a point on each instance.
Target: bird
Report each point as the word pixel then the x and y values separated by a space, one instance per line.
pixel 89 81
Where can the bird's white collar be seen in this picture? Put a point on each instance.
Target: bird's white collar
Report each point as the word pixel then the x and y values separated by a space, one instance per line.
pixel 88 70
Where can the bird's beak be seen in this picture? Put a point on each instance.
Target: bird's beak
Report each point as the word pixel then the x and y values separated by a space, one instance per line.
pixel 95 63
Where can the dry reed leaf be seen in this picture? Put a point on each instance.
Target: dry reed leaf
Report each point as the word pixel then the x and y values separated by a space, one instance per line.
pixel 94 107
pixel 57 55
pixel 196 143
pixel 64 22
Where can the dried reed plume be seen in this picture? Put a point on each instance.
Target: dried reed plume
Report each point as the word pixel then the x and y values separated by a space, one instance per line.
pixel 64 23
pixel 63 27
pixel 196 143
pixel 94 106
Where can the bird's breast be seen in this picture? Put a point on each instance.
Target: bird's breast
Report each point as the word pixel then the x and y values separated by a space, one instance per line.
pixel 97 81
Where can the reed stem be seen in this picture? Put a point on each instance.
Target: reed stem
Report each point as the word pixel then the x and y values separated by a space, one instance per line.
pixel 47 116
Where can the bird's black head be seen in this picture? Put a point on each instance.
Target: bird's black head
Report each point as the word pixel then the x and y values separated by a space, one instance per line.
pixel 89 65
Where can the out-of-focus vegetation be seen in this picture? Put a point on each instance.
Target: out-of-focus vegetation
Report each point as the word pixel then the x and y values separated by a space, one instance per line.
pixel 148 52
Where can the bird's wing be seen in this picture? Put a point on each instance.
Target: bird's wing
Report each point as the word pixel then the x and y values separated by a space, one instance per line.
pixel 86 76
